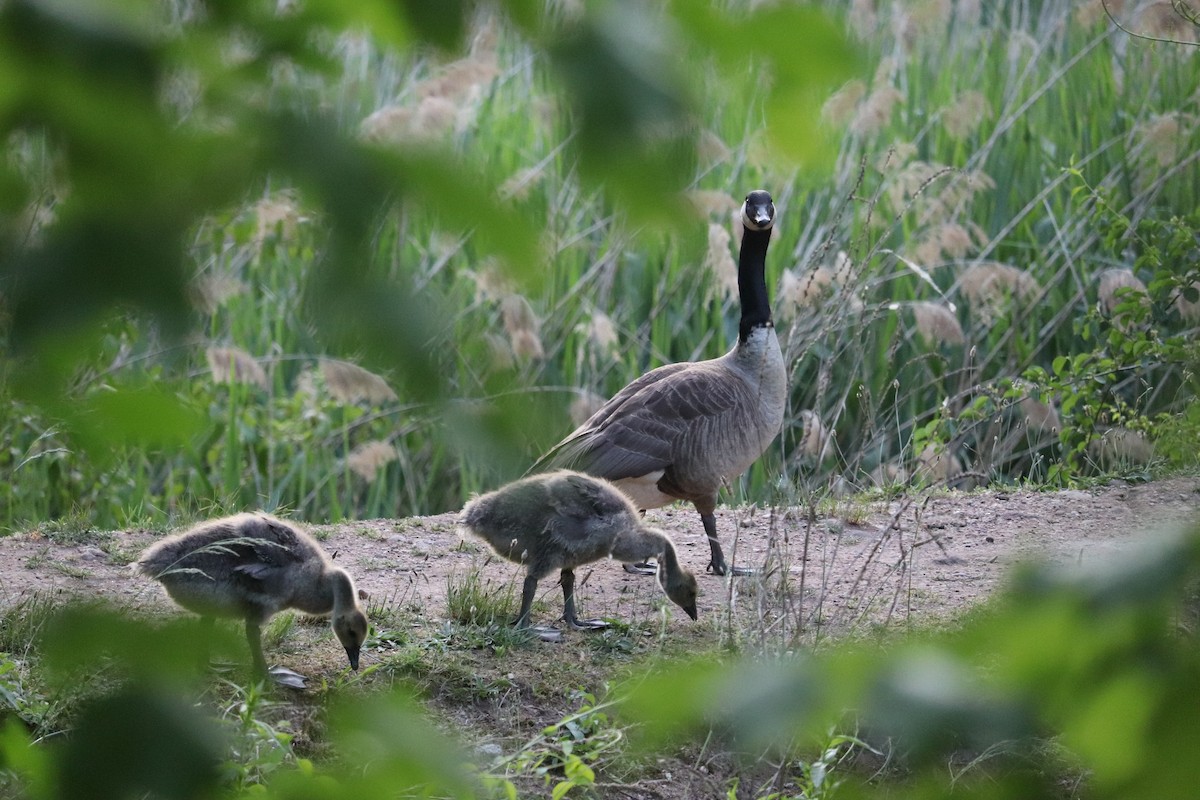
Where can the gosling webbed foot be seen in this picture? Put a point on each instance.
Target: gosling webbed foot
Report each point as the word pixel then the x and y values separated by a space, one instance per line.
pixel 283 676
pixel 641 568
pixel 588 624
pixel 546 633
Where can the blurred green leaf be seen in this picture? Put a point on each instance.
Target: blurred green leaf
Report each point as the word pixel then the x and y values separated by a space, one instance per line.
pixel 140 740
pixel 80 638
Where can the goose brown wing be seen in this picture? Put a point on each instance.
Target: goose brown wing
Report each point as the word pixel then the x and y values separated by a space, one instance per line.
pixel 643 432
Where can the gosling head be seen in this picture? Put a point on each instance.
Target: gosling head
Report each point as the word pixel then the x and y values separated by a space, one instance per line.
pixel 758 212
pixel 350 628
pixel 682 589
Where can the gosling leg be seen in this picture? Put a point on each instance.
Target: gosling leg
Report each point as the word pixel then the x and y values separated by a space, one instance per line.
pixel 254 639
pixel 568 585
pixel 546 634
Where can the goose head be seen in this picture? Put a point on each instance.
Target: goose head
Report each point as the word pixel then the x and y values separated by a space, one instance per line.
pixel 758 211
pixel 350 627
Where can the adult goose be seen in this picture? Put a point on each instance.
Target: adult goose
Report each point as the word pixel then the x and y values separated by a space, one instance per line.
pixel 562 520
pixel 249 567
pixel 681 431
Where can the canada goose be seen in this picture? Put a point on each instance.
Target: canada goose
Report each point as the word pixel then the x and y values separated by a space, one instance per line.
pixel 562 520
pixel 682 430
pixel 251 566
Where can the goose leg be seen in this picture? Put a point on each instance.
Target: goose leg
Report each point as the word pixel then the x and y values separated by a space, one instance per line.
pixel 717 565
pixel 568 586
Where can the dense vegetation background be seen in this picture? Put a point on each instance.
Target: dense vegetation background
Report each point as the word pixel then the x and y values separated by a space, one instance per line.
pixel 362 263
pixel 362 259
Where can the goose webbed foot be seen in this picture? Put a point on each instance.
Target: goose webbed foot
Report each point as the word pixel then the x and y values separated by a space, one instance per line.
pixel 283 676
pixel 641 568
pixel 722 569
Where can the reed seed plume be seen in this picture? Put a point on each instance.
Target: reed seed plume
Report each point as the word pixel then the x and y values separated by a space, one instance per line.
pixel 814 439
pixel 1110 296
pixel 521 183
pixel 234 365
pixel 798 291
pixel 965 114
pixel 874 113
pixel 711 204
pixel 936 324
pixel 1188 310
pixel 711 148
pixel 990 287
pixel 844 274
pixel 491 281
pixel 369 459
pixel 1160 141
pixel 209 292
pixel 500 352
pixel 1091 12
pixel 719 259
pixel 842 105
pixel 522 327
pixel 1041 417
pixel 950 240
pixel 936 464
pixel 278 218
pixel 461 81
pixel 431 119
pixel 1161 19
pixel 895 158
pixel 890 473
pixel 527 346
pixel 601 332
pixel 1120 447
pixel 921 20
pixel 583 406
pixel 863 18
pixel 350 383
pixel 935 193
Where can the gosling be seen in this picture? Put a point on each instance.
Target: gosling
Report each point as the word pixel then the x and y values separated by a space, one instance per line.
pixel 562 520
pixel 251 566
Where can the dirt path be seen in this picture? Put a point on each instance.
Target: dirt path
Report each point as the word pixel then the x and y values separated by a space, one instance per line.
pixel 913 557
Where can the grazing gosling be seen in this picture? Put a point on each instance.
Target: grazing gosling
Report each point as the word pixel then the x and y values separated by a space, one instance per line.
pixel 562 520
pixel 251 566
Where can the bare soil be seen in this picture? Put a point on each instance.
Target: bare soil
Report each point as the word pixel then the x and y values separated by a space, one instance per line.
pixel 947 550
pixel 919 559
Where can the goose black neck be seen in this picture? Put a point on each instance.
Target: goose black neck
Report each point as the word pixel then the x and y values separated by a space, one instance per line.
pixel 752 281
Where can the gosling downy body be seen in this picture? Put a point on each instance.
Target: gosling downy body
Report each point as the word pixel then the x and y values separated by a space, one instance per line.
pixel 562 520
pixel 682 431
pixel 251 566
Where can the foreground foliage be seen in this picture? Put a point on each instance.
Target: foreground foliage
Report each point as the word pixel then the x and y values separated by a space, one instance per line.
pixel 1082 675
